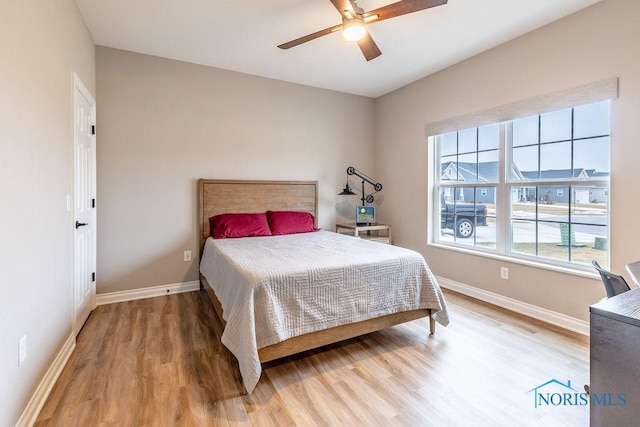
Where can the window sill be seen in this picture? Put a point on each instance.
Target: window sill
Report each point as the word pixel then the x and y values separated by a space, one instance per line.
pixel 577 271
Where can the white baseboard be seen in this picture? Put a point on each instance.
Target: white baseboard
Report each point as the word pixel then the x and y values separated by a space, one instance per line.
pixel 154 291
pixel 548 316
pixel 39 397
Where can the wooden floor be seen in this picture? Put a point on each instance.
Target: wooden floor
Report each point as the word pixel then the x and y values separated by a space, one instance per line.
pixel 159 362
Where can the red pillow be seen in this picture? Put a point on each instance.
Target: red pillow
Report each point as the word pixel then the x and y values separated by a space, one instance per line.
pixel 231 225
pixel 288 222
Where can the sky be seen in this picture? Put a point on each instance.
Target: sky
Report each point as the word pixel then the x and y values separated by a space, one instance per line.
pixel 544 139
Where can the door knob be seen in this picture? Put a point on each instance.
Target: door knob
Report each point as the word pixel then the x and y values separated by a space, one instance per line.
pixel 80 224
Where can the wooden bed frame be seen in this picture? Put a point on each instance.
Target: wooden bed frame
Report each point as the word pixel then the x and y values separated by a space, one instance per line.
pixel 229 196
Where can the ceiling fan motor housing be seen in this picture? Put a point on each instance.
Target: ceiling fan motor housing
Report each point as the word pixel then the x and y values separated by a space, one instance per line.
pixel 357 9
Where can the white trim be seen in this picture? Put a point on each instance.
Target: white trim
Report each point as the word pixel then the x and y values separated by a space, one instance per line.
pixel 39 397
pixel 574 270
pixel 558 319
pixel 154 291
pixel 77 83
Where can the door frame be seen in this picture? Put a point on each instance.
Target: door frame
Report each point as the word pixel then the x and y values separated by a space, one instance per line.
pixel 79 86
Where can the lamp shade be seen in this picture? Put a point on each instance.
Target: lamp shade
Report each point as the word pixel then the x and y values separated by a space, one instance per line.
pixel 353 29
pixel 347 191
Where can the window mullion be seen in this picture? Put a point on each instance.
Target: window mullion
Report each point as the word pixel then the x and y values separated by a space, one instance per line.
pixel 503 207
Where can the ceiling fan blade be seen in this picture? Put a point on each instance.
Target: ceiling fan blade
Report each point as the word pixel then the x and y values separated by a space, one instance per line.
pixel 310 37
pixel 402 8
pixel 369 48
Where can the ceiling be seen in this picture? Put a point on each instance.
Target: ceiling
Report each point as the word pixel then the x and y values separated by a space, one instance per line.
pixel 242 35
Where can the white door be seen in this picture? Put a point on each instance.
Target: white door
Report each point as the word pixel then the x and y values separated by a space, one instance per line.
pixel 84 205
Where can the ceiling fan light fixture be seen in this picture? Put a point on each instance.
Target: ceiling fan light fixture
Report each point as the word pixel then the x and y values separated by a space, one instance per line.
pixel 353 29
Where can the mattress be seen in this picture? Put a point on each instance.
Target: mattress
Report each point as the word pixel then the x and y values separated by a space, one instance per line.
pixel 277 287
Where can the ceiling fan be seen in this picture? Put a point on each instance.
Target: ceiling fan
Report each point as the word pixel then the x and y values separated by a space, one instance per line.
pixel 355 19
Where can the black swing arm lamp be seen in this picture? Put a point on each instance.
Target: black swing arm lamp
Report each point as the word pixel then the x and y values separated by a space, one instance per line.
pixel 366 198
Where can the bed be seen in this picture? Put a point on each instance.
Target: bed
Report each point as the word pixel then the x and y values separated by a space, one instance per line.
pixel 281 295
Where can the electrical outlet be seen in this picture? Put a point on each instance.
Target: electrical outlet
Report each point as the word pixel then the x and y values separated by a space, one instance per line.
pixel 22 350
pixel 504 273
pixel 187 256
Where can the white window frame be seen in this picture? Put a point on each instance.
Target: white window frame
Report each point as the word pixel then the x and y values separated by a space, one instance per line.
pixel 586 94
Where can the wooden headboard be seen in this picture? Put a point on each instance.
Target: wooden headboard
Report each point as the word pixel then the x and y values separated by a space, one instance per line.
pixel 228 196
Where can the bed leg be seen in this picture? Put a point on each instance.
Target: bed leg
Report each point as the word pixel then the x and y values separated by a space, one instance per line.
pixel 432 323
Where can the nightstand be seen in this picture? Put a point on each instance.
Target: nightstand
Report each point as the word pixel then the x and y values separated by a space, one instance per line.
pixel 375 232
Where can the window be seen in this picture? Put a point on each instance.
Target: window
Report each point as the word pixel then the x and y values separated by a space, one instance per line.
pixel 534 187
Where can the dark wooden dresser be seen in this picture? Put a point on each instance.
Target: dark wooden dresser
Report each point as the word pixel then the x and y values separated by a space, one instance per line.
pixel 615 361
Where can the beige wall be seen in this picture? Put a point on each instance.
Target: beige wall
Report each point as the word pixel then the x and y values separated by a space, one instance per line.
pixel 594 44
pixel 163 124
pixel 41 45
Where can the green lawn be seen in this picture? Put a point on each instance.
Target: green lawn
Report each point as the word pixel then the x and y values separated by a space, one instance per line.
pixel 584 254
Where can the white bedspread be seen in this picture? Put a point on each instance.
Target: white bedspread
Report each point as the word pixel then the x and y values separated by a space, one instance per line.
pixel 274 288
